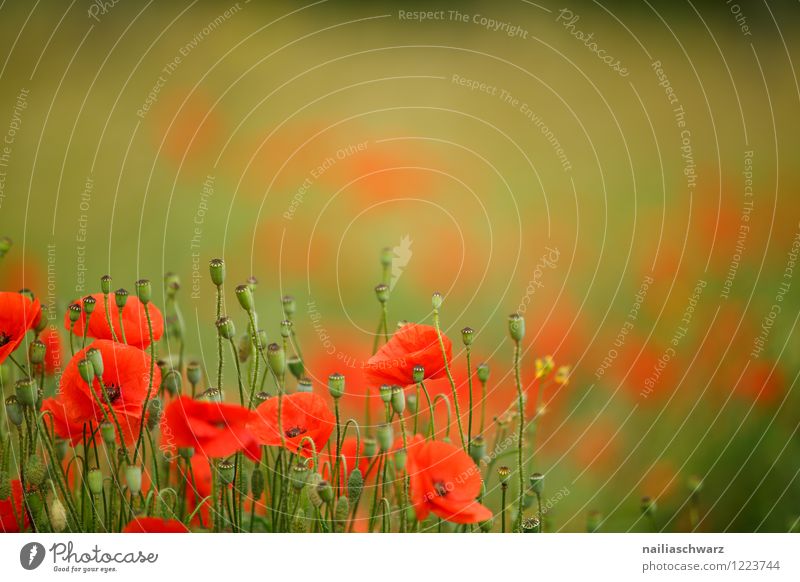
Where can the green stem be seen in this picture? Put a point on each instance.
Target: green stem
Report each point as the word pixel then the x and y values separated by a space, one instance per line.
pixel 520 430
pixel 449 377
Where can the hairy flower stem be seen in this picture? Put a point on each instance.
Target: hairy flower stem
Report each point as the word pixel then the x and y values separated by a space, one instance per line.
pixel 108 317
pixel 503 489
pixel 238 372
pixel 219 339
pixel 520 430
pixel 449 377
pixel 469 376
pixel 149 381
pixel 121 326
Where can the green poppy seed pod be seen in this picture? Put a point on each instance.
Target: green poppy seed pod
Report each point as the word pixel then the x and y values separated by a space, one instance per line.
pixel 171 382
pixel 41 322
pixel 516 327
pixel 341 512
pixel 133 477
pixel 154 410
pixel 398 400
pixel 257 482
pixel 86 370
pixel 477 449
pixel 172 283
pixel 95 481
pixel 530 525
pixel 121 297
pixel 400 458
pixel 647 505
pixel 217 269
pixel 304 385
pixel 593 520
pixel 5 485
pixel 286 329
pixel 289 305
pixel 144 290
pixel 418 374
pixel 370 447
pixel 5 246
pixel 336 385
pixel 276 358
pixel 299 476
pixel 58 515
pixel 193 373
pixel 95 358
pixel 226 328
pixel 105 284
pixel 385 392
pixel 382 292
pixel 387 256
pixel 467 335
pixel 503 473
pixel 261 336
pixel 483 373
pixel 212 395
pixel 186 453
pixel 537 483
pixel 486 526
pixel 108 433
pixel 226 471
pixel 385 435
pixel 35 470
pixel 325 491
pixel 27 391
pixel 89 304
pixel 62 446
pixel 74 311
pixel 695 484
pixel 412 402
pixel 355 485
pixel 296 367
pixel 245 297
pixel 37 351
pixel 436 301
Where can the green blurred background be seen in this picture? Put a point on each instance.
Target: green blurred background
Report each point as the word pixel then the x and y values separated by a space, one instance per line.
pixel 511 167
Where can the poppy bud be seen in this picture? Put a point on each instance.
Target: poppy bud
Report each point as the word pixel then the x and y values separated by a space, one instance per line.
pixel 382 292
pixel 647 505
pixel 503 472
pixel 172 283
pixel 398 400
pixel 516 327
pixel 593 521
pixel 411 402
pixel 314 479
pixel 186 453
pixel 537 483
pixel 193 373
pixel 387 256
pixel 325 491
pixel 245 296
pixel 286 329
pixel 226 328
pixel 120 298
pixel 35 470
pixel 154 409
pixel 289 306
pixel 257 483
pixel 276 358
pixel 37 351
pixel 418 374
pixel 217 269
pixel 467 335
pixel 299 521
pixel 370 447
pixel 5 246
pixel 341 512
pixel 436 301
pixel 385 392
pixel 105 284
pixel 133 477
pixel 400 458
pixel 530 525
pixel 144 290
pixel 544 366
pixel 74 311
pixel 355 485
pixel 296 366
pixel 89 304
pixel 299 476
pixel 108 434
pixel 483 373
pixel 27 392
pixel 486 526
pixel 477 449
pixel 226 471
pixel 336 385
pixel 212 395
pixel 95 481
pixel 95 358
pixel 261 337
pixel 58 515
pixel 61 449
pixel 385 436
pixel 86 371
pixel 171 382
pixel 41 323
pixel 5 485
pixel 262 397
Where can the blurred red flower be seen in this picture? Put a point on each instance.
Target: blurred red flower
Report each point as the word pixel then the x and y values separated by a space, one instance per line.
pixel 212 429
pixel 12 510
pixel 53 359
pixel 154 525
pixel 445 481
pixel 134 321
pixel 125 377
pixel 411 345
pixel 17 315
pixel 63 425
pixel 304 415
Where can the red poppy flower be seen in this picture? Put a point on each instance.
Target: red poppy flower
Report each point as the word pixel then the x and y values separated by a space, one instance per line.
pixel 63 425
pixel 154 525
pixel 125 377
pixel 17 315
pixel 53 358
pixel 445 481
pixel 411 345
pixel 134 321
pixel 213 429
pixel 12 510
pixel 304 415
